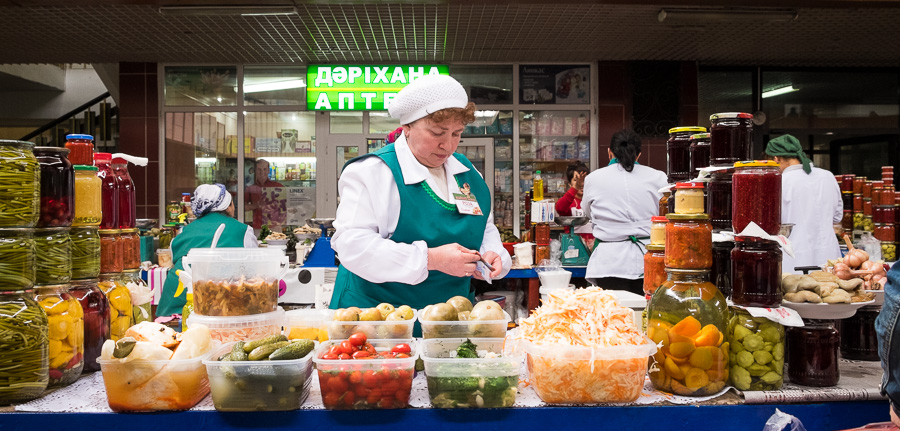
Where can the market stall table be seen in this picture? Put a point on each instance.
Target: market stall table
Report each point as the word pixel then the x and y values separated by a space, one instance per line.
pixel 855 402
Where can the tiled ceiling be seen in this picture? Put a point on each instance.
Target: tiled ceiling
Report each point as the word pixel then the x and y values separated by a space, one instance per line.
pixel 374 32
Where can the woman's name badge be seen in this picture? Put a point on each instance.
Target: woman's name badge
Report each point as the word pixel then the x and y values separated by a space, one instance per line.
pixel 466 202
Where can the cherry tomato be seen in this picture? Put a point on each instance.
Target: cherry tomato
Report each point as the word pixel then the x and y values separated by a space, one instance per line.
pixel 406 385
pixel 374 397
pixel 331 399
pixel 401 356
pixel 358 339
pixel 402 397
pixel 347 348
pixel 335 350
pixel 371 349
pixel 370 380
pixel 323 379
pixel 402 348
pixel 337 385
pixel 329 356
pixel 361 391
pixel 349 399
pixel 361 354
pixel 387 403
pixel 356 377
pixel 344 356
pixel 404 374
pixel 389 387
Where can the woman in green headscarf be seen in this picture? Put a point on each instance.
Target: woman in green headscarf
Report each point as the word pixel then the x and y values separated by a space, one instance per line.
pixel 811 200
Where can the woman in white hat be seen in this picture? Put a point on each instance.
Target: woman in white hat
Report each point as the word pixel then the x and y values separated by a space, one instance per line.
pixel 402 233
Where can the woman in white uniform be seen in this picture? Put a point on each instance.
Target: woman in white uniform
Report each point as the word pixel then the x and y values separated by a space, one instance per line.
pixel 811 200
pixel 620 199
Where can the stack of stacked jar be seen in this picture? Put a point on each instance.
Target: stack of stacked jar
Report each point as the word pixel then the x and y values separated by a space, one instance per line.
pixel 731 138
pixel 846 183
pixel 884 214
pixel 679 150
pixel 687 314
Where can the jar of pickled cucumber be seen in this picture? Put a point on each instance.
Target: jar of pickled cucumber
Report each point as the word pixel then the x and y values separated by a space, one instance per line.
pixel 16 258
pixel 85 252
pixel 756 352
pixel 687 316
pixel 65 322
pixel 119 299
pixel 20 184
pixel 53 256
pixel 140 295
pixel 96 319
pixel 23 364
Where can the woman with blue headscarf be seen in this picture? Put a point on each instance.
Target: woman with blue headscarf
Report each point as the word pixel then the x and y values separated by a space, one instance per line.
pixel 213 207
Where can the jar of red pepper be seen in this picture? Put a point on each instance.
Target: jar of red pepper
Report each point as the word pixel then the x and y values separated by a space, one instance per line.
pixel 81 149
pixel 756 196
pixel 688 241
pixel 112 257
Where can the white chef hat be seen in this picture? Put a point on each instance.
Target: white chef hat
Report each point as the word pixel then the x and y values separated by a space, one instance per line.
pixel 427 95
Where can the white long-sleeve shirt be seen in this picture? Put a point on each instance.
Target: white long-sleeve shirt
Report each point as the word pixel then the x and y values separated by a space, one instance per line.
pixel 813 204
pixel 620 203
pixel 370 209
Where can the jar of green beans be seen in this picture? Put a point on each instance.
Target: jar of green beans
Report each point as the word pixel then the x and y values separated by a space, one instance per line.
pixel 20 185
pixel 85 252
pixel 23 364
pixel 16 258
pixel 53 253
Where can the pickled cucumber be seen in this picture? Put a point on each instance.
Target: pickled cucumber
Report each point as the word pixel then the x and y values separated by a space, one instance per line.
pixel 295 350
pixel 262 352
pixel 758 347
pixel 249 347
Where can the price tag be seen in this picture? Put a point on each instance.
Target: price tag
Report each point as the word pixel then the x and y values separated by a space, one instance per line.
pixel 571 253
pixel 753 230
pixel 783 315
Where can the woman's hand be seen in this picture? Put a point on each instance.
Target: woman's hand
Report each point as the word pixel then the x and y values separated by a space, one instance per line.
pixel 453 259
pixel 578 180
pixel 496 263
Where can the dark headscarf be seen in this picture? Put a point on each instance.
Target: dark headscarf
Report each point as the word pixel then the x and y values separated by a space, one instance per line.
pixel 788 146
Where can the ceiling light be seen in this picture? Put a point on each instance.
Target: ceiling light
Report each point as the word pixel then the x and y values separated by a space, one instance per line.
pixel 227 10
pixel 694 15
pixel 199 160
pixel 485 114
pixel 272 86
pixel 779 91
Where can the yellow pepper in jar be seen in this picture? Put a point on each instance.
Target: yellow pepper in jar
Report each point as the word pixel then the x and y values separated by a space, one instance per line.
pixel 120 310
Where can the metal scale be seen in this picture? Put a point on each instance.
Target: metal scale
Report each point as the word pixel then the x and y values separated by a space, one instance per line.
pixel 322 255
pixel 573 251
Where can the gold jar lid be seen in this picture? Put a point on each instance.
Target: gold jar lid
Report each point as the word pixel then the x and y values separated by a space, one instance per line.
pixel 110 231
pixel 687 217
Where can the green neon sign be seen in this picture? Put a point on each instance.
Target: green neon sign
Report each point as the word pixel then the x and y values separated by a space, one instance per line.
pixel 361 88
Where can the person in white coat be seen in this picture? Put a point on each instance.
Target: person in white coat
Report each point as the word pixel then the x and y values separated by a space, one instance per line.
pixel 620 199
pixel 811 201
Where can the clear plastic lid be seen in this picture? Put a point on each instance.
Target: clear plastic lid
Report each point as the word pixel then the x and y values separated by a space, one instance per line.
pixel 236 322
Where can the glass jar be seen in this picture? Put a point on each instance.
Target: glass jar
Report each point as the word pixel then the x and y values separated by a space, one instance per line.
pixel 718 202
pixel 96 319
pixel 88 211
pixel 85 252
pixel 127 203
pixel 678 151
pixel 859 341
pixel 166 235
pixel 812 353
pixel 720 273
pixel 884 232
pixel 65 323
pixel 131 245
pixel 857 203
pixel 689 198
pixel 53 256
pixel 730 138
pixel 16 258
pixel 756 352
pixel 687 316
pixel 867 190
pixel 81 149
pixel 756 273
pixel 658 230
pixel 24 346
pixel 858 185
pixel 57 187
pixel 112 251
pixel 847 220
pixel 20 185
pixel 868 224
pixel 858 219
pixel 699 152
pixel 654 268
pixel 847 200
pixel 119 299
pixel 688 241
pixel 756 196
pixel 664 203
pixel 889 251
pixel 847 183
pixel 867 206
pixel 140 295
pixel 109 191
pixel 883 214
pixel 173 210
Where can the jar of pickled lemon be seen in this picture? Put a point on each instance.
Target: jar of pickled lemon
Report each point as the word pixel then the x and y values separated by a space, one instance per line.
pixel 65 322
pixel 119 299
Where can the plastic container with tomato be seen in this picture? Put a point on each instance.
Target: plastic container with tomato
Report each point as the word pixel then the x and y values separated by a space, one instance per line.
pixel 370 383
pixel 470 382
pixel 242 386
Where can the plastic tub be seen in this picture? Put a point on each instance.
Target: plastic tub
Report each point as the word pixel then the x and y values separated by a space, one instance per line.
pixel 307 323
pixel 139 386
pixel 374 330
pixel 545 292
pixel 572 374
pixel 238 328
pixel 466 329
pixel 558 279
pixel 235 281
pixel 258 385
pixel 470 382
pixel 164 257
pixel 357 384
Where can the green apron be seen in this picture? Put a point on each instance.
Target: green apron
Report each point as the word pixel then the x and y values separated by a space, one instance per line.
pixel 198 234
pixel 424 216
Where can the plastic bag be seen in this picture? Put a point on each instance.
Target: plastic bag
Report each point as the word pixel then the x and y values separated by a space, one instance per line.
pixel 555 252
pixel 870 245
pixel 549 265
pixel 782 421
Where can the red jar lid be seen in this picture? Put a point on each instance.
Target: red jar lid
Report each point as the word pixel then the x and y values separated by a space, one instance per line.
pixel 727 115
pixel 659 219
pixel 102 157
pixel 689 185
